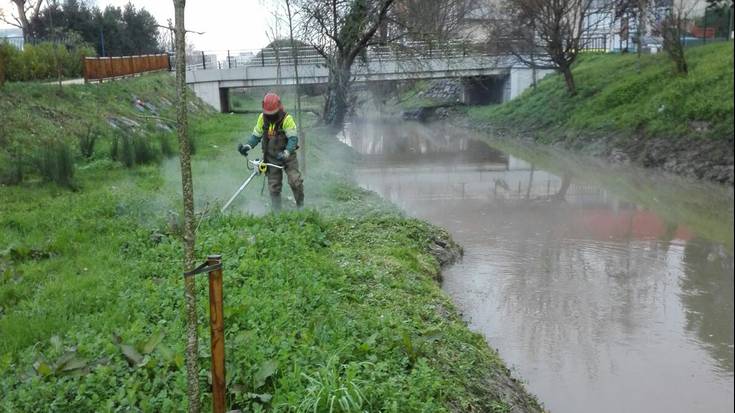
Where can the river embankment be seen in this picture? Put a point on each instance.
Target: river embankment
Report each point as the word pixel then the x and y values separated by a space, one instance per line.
pixel 630 110
pixel 627 111
pixel 338 304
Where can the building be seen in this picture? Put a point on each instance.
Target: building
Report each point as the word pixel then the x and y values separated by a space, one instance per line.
pixel 13 36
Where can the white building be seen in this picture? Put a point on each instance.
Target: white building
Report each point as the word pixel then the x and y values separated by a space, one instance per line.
pixel 13 36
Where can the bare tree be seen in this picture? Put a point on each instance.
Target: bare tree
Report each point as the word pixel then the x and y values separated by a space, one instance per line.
pixel 26 11
pixel 672 28
pixel 340 31
pixel 548 34
pixel 295 54
pixel 435 19
pixel 192 362
pixel 640 11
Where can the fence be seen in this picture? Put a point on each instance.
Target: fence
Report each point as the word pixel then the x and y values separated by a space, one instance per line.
pixel 284 55
pixel 100 68
pixel 16 41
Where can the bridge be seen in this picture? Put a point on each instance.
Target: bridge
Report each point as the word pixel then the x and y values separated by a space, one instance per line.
pixel 486 77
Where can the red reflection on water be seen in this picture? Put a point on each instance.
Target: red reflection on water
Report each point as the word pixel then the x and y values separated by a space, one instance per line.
pixel 603 224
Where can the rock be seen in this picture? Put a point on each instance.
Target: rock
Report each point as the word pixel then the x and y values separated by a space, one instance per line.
pixel 163 127
pixel 445 90
pixel 120 122
pixel 618 156
pixel 699 126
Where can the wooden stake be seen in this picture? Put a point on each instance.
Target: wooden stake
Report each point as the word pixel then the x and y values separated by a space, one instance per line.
pixel 217 326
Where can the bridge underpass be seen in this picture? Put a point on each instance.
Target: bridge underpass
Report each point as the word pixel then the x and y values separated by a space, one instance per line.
pixel 486 78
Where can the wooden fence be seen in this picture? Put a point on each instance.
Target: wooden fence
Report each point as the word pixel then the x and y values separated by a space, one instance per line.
pixel 100 68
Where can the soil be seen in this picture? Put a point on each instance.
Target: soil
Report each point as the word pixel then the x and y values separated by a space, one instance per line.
pixel 696 157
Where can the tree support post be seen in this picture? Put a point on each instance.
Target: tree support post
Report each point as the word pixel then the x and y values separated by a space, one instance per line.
pixel 217 328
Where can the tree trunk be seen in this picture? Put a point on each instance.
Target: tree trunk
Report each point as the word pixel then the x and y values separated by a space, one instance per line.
pixel 192 365
pixel 675 50
pixel 295 54
pixel 566 181
pixel 25 25
pixel 335 108
pixel 569 80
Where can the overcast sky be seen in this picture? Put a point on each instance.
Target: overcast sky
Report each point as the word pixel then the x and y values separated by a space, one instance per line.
pixel 228 24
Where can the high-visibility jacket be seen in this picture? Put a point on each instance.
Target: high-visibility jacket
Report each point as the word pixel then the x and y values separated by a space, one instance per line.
pixel 276 136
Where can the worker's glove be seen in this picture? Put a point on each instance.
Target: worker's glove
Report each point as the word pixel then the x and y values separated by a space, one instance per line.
pixel 243 149
pixel 283 155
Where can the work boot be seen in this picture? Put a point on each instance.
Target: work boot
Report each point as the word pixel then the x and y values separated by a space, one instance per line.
pixel 276 203
pixel 300 201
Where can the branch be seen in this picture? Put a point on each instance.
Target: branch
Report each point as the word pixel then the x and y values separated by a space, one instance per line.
pixel 362 43
pixel 172 29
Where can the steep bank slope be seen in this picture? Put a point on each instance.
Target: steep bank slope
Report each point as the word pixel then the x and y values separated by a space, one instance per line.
pixel 45 129
pixel 653 118
pixel 336 307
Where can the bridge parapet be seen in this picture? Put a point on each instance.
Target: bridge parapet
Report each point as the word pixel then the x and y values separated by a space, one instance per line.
pixel 305 55
pixel 274 67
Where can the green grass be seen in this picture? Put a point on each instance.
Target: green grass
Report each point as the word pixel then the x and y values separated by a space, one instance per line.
pixel 615 98
pixel 335 308
pixel 36 116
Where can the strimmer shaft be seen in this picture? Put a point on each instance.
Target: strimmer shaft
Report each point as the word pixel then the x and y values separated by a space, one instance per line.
pixel 244 184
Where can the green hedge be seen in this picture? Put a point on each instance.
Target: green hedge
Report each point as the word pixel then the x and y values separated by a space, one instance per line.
pixel 41 61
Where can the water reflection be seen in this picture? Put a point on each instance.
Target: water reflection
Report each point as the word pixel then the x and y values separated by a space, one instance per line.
pixel 601 304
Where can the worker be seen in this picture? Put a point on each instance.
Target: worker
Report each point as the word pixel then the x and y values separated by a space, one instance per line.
pixel 277 130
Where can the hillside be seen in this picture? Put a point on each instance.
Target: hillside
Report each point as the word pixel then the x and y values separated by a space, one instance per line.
pixel 47 132
pixel 681 124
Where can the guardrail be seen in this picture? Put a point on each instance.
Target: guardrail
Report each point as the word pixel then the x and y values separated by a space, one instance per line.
pixel 102 68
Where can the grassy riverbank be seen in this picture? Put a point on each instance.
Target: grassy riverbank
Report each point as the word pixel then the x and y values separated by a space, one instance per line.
pixel 336 307
pixel 614 96
pixel 683 124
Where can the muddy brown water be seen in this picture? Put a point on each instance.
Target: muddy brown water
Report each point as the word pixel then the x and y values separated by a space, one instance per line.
pixel 606 289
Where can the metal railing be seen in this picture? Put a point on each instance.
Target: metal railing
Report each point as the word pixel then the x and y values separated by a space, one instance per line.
pixel 306 55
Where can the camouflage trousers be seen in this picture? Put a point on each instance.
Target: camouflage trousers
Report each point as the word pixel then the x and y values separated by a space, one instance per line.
pixel 295 181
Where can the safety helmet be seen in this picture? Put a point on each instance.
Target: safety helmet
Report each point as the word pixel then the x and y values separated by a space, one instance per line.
pixel 271 104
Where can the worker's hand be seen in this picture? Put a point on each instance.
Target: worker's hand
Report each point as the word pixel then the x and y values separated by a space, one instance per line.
pixel 283 155
pixel 243 149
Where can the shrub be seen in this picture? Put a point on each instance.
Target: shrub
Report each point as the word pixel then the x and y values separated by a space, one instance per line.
pixel 87 141
pixel 6 51
pixel 144 152
pixel 167 149
pixel 11 168
pixel 133 150
pixel 43 61
pixel 57 163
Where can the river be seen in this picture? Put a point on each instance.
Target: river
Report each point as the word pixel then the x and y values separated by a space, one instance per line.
pixel 605 288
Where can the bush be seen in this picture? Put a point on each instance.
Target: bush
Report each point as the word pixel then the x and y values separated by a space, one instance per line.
pixel 167 149
pixel 43 61
pixel 5 52
pixel 133 150
pixel 11 167
pixel 87 140
pixel 144 152
pixel 57 163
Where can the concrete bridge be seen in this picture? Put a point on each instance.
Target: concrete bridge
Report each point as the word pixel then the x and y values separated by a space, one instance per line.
pixel 487 78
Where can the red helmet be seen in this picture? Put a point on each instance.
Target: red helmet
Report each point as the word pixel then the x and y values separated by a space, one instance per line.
pixel 271 104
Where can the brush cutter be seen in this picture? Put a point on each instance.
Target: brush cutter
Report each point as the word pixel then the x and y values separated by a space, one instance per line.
pixel 259 168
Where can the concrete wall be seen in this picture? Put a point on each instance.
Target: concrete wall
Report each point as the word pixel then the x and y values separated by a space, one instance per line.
pixel 521 78
pixel 210 93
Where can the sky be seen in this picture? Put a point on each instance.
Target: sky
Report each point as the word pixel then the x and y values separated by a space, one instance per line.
pixel 227 24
